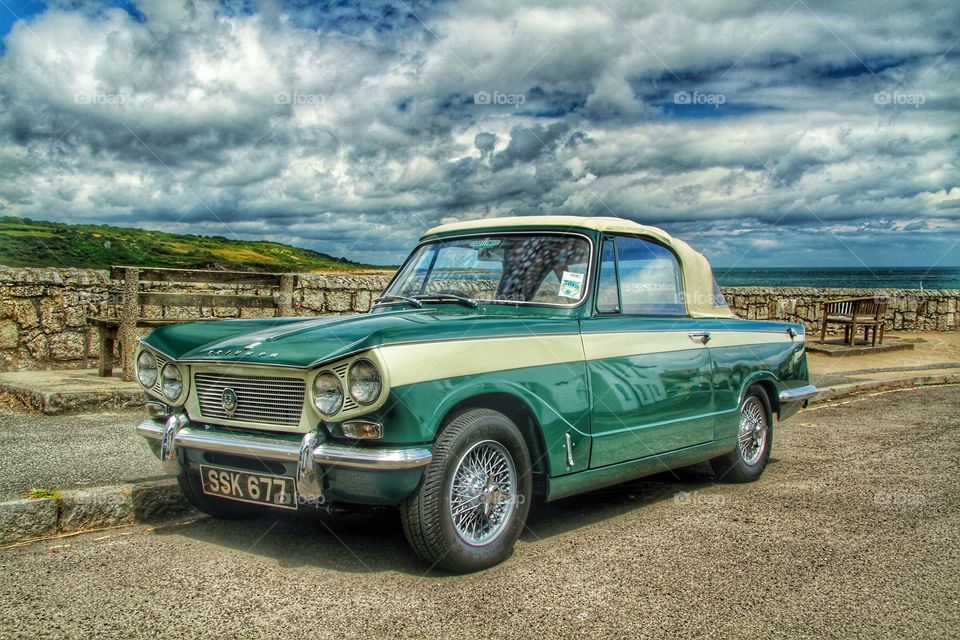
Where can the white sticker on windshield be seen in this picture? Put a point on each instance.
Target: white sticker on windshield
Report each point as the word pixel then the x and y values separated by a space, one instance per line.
pixel 571 284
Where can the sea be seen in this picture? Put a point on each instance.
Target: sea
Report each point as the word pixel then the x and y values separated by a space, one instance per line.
pixel 842 277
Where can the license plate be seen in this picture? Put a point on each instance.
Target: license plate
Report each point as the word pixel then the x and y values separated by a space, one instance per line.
pixel 256 488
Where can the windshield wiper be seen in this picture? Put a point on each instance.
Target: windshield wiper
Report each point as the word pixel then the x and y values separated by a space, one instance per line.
pixel 453 297
pixel 397 298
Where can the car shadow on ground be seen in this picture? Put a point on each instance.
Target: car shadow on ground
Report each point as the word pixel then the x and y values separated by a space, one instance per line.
pixel 373 541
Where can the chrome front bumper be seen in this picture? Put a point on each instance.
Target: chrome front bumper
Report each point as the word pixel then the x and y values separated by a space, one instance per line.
pixel 178 433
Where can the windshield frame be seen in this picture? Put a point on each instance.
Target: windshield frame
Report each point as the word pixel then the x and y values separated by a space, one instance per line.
pixel 584 298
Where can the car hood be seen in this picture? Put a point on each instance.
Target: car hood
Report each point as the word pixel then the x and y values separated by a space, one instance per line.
pixel 306 342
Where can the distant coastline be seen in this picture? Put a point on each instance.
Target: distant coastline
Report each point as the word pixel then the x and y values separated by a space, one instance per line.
pixel 842 277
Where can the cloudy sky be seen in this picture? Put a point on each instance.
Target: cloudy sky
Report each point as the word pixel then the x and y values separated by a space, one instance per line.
pixel 766 133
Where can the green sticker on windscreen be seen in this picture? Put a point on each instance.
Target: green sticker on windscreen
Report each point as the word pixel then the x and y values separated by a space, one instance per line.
pixel 571 284
pixel 488 243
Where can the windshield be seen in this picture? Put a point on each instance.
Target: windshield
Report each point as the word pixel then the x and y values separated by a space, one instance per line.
pixel 525 268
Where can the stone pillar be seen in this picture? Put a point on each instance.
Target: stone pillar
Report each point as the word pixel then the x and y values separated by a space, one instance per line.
pixel 129 312
pixel 285 303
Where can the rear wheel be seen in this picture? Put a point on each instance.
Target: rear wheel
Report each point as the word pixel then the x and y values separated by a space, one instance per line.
pixel 189 481
pixel 754 440
pixel 473 501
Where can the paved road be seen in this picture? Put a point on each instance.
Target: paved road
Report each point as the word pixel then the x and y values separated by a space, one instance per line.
pixel 853 531
pixel 62 452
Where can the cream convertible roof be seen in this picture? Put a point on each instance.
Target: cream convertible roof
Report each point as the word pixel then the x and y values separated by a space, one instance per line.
pixel 697 275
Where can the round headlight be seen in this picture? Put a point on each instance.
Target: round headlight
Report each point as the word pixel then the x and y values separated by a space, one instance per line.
pixel 327 393
pixel 172 382
pixel 364 380
pixel 147 369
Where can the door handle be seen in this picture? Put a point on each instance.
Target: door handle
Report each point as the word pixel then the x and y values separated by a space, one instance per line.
pixel 703 337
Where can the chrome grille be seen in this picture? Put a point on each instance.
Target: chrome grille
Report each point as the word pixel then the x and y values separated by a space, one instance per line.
pixel 263 399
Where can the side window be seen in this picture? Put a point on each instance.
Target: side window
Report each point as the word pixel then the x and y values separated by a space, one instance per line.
pixel 650 282
pixel 608 295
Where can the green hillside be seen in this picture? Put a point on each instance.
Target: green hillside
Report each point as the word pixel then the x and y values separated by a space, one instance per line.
pixel 33 243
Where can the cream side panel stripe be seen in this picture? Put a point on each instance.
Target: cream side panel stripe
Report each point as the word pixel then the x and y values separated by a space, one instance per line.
pixel 598 346
pixel 744 338
pixel 421 362
pixel 425 361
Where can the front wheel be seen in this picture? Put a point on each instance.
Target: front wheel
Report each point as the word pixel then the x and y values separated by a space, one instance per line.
pixel 473 501
pixel 754 440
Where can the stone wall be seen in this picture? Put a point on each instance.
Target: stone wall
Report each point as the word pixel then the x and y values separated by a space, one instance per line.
pixel 43 312
pixel 908 309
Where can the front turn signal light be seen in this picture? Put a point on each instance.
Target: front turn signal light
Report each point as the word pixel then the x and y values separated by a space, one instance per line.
pixel 362 430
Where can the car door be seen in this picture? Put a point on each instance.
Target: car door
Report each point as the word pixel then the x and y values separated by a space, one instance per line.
pixel 647 362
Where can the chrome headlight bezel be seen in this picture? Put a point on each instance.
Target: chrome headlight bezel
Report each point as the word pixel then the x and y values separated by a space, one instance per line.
pixel 147 362
pixel 364 396
pixel 353 404
pixel 332 383
pixel 173 381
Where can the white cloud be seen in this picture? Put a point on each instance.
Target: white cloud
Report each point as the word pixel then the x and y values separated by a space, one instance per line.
pixel 299 126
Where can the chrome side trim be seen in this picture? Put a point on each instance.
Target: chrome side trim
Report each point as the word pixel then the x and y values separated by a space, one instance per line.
pixel 281 450
pixel 798 394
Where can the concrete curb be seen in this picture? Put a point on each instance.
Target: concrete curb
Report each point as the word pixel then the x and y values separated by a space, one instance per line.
pixel 840 390
pixel 152 500
pixel 92 508
pixel 56 403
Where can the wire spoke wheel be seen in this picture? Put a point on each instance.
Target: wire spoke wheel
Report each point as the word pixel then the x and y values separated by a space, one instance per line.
pixel 472 502
pixel 483 493
pixel 754 428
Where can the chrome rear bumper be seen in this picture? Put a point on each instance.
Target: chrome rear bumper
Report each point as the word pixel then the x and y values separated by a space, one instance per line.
pixel 178 433
pixel 798 394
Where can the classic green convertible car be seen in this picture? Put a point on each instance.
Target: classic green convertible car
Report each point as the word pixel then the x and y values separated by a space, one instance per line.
pixel 507 358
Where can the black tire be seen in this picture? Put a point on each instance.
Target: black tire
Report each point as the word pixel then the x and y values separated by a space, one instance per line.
pixel 221 508
pixel 735 466
pixel 426 515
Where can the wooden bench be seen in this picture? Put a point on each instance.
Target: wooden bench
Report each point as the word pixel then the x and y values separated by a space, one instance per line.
pixel 853 313
pixel 131 296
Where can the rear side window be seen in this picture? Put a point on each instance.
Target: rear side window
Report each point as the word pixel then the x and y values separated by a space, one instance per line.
pixel 718 300
pixel 649 274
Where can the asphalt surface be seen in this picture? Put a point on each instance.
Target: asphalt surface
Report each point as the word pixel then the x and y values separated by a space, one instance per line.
pixel 853 531
pixel 64 452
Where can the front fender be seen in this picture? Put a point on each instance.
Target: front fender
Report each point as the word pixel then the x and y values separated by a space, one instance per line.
pixel 555 396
